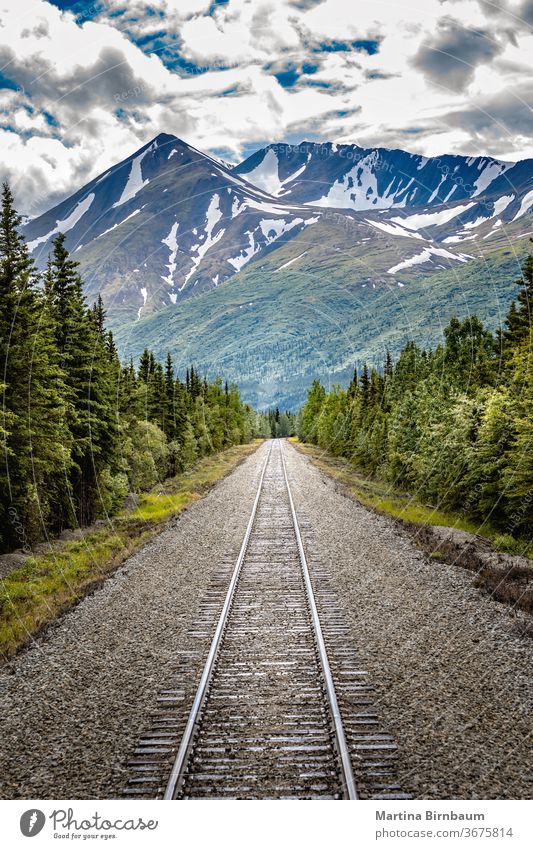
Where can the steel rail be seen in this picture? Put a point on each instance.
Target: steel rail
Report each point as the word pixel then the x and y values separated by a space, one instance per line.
pixel 187 739
pixel 348 779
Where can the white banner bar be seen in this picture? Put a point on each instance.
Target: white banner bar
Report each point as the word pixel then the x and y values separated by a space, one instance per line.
pixel 254 825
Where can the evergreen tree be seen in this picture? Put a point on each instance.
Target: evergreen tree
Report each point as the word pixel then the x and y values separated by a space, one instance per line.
pixel 388 368
pixel 311 411
pixel 520 314
pixel 99 316
pixel 35 443
pixel 156 396
pixel 180 409
pixel 353 386
pixel 91 391
pixel 144 365
pixel 525 301
pixel 169 416
pixel 365 389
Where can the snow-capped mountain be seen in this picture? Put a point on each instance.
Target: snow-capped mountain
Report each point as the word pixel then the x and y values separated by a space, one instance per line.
pixel 350 177
pixel 441 201
pixel 163 223
pixel 169 221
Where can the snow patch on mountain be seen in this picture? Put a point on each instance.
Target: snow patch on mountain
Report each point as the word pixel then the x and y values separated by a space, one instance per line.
pixel 278 226
pixel 144 293
pixel 435 191
pixel 431 219
pixel 358 189
pixel 489 174
pixel 290 262
pixel 242 183
pixel 119 223
pixel 502 203
pixel 246 254
pixel 272 229
pixel 450 193
pixel 171 242
pixel 496 226
pixel 135 181
pixel 527 202
pixel 451 240
pixel 292 177
pixel 237 206
pixel 103 177
pixel 269 208
pixel 425 256
pixel 67 223
pixel 394 229
pixel 212 217
pixel 471 225
pixel 265 175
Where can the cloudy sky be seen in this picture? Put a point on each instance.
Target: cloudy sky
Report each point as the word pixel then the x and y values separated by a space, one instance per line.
pixel 84 84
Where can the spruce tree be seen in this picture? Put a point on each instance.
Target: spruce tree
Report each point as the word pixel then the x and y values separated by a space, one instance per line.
pixel 525 299
pixel 520 314
pixel 156 397
pixel 35 443
pixel 180 409
pixel 169 418
pixel 144 365
pixel 352 388
pixel 388 368
pixel 90 380
pixel 365 388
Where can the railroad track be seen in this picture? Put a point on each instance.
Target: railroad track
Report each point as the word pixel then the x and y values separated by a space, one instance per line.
pixel 275 714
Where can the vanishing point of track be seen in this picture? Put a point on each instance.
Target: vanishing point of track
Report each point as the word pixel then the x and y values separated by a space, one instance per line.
pixel 265 720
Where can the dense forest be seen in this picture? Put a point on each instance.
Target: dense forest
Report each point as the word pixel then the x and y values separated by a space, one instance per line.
pixel 79 430
pixel 280 424
pixel 452 425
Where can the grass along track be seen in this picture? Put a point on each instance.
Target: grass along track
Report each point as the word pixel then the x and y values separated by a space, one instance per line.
pixel 35 594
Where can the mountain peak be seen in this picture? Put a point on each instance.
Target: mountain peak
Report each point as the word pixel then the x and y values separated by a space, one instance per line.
pixel 161 138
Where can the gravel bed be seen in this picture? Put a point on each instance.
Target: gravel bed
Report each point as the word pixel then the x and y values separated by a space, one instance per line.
pixel 451 672
pixel 74 704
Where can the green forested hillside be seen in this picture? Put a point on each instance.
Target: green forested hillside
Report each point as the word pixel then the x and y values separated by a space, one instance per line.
pixel 79 430
pixel 273 329
pixel 453 424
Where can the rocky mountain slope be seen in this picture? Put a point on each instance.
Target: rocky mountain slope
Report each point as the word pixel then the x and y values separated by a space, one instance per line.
pixel 346 176
pixel 164 222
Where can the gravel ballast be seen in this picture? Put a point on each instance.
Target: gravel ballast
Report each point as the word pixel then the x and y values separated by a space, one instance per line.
pixel 448 664
pixel 451 671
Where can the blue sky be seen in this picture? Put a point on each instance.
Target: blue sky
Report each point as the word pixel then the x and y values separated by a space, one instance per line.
pixel 82 84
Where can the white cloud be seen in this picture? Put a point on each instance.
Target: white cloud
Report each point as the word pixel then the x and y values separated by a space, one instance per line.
pixel 88 95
